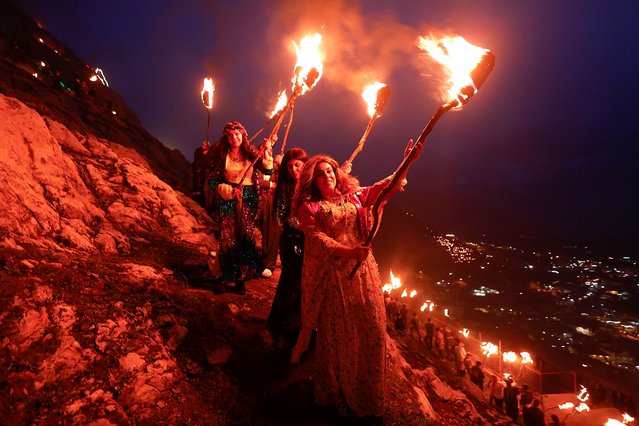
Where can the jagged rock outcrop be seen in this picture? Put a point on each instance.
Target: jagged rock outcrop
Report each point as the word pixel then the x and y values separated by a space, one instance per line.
pixel 63 190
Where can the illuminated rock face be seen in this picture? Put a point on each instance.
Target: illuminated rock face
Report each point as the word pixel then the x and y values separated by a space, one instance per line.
pixel 66 190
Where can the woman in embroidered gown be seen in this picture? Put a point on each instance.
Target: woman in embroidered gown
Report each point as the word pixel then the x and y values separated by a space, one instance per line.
pixel 349 314
pixel 284 319
pixel 235 203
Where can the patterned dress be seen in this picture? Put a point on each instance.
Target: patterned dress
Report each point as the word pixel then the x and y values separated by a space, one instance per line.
pixel 238 252
pixel 348 313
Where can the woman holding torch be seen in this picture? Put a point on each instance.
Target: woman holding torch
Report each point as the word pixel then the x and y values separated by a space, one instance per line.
pixel 349 315
pixel 235 201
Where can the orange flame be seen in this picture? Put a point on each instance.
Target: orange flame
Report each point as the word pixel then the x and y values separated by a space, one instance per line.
pixel 404 294
pixel 583 394
pixel 308 59
pixel 582 407
pixel 510 357
pixel 613 422
pixel 566 406
pixel 207 93
pixel 465 332
pixel 459 59
pixel 370 97
pixel 489 349
pixel 526 358
pixel 281 103
pixel 395 283
pixel 627 418
pixel 413 293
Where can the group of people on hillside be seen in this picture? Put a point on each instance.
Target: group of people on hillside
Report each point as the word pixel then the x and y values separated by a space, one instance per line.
pixel 503 394
pixel 329 285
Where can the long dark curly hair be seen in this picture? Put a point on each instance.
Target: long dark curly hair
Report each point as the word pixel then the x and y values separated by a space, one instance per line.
pixel 216 157
pixel 307 187
pixel 285 187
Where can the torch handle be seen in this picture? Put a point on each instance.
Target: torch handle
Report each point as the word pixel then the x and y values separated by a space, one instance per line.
pixel 401 171
pixel 278 123
pixel 268 122
pixel 208 124
pixel 288 128
pixel 362 141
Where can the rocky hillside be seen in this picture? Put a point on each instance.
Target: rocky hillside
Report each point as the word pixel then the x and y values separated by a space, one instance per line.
pixel 106 312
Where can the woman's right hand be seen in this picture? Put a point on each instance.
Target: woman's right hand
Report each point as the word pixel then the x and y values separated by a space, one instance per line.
pixel 360 252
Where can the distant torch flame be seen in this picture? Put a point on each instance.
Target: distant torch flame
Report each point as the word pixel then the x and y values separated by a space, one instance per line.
pixel 413 293
pixel 510 357
pixel 207 93
pixel 459 59
pixel 566 406
pixel 627 418
pixel 404 294
pixel 489 349
pixel 424 306
pixel 99 75
pixel 371 97
pixel 308 69
pixel 395 283
pixel 613 422
pixel 582 407
pixel 526 358
pixel 281 103
pixel 583 394
pixel 465 332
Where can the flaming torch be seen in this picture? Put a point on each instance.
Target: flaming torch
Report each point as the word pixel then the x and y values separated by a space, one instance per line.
pixel 308 71
pixel 207 99
pixel 376 96
pixel 282 101
pixel 468 67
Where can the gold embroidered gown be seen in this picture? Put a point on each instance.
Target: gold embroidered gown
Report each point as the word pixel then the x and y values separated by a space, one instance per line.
pixel 348 314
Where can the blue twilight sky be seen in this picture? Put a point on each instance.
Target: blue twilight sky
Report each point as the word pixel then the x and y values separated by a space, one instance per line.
pixel 547 148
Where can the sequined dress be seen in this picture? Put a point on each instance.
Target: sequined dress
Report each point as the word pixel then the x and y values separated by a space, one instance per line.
pixel 348 314
pixel 238 252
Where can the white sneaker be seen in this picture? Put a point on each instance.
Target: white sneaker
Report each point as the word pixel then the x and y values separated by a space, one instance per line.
pixel 267 273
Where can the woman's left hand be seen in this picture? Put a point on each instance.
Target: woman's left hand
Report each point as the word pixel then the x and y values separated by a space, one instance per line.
pixel 237 193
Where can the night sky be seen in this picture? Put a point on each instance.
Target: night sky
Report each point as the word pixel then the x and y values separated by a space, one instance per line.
pixel 547 149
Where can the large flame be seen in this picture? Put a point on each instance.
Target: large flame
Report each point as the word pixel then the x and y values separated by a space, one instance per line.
pixel 281 103
pixel 459 59
pixel 308 69
pixel 370 97
pixel 566 406
pixel 207 93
